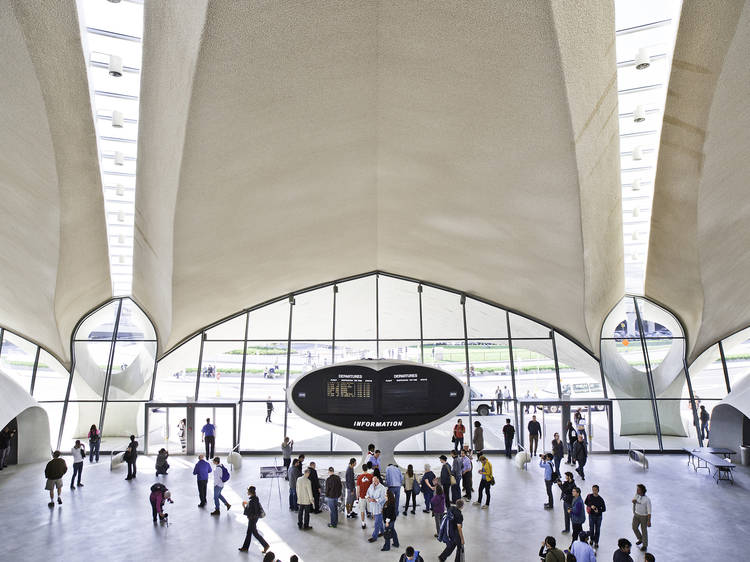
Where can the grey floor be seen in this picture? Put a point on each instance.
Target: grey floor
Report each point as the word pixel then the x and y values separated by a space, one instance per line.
pixel 110 518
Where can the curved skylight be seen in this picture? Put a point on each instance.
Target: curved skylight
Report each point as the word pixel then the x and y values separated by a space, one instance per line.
pixel 111 30
pixel 649 27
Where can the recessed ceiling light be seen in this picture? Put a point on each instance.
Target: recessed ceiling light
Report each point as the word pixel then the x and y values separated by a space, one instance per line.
pixel 121 216
pixel 635 236
pixel 639 115
pixel 636 212
pixel 637 153
pixel 636 186
pixel 120 190
pixel 120 238
pixel 118 119
pixel 642 59
pixel 119 158
pixel 115 66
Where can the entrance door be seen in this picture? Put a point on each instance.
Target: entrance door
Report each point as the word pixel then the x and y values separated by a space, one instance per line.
pixel 595 420
pixel 223 417
pixel 164 429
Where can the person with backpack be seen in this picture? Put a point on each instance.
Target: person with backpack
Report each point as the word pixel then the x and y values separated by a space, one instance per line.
pixel 549 551
pixel 427 487
pixel 161 462
pixel 221 476
pixel 79 454
pixel 201 470
pixel 438 507
pixel 130 457
pixel 451 532
pixel 253 512
pixel 411 555
pixel 159 494
pixel 549 478
pixel 95 439
pixel 54 471
pixel 509 432
pixel 410 489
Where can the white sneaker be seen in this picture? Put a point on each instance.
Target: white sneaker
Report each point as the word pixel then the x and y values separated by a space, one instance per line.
pixel 485 507
pixel 475 503
pixel 364 526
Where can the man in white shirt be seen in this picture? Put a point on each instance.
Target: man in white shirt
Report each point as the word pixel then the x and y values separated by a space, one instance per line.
pixel 641 516
pixel 376 498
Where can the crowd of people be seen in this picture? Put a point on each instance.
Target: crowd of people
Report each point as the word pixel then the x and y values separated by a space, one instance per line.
pixel 372 493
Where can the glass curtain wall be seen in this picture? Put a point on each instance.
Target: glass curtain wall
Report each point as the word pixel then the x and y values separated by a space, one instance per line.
pixel 251 358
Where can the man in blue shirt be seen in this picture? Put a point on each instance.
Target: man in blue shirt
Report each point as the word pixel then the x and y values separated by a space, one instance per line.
pixel 208 436
pixel 394 480
pixel 201 470
pixel 546 464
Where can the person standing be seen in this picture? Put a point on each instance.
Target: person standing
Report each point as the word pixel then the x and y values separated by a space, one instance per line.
pixel 221 475
pixel 458 435
pixel 201 470
pixel 641 516
pixel 572 436
pixel 253 511
pixel 286 452
pixel 294 472
pixel 394 480
pixel 131 456
pixel 577 513
pixel 269 410
pixel 467 476
pixel 478 438
pixel 704 417
pixel 428 487
pixel 390 510
pixel 409 478
pixel 456 520
pixel 457 469
pixel 558 451
pixel 208 436
pixel 567 498
pixel 161 464
pixel 582 550
pixel 487 480
pixel 78 455
pixel 622 554
pixel 6 437
pixel 437 503
pixel 315 484
pixel 375 463
pixel 499 399
pixel 509 432
pixel 445 478
pixel 333 493
pixel 95 440
pixel 546 464
pixel 304 500
pixel 595 506
pixel 363 484
pixel 506 396
pixel 535 430
pixel 350 489
pixel 54 472
pixel 580 455
pixel 376 499
pixel 181 428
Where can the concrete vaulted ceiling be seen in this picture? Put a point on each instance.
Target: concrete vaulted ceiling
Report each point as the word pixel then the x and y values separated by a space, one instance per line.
pixel 53 250
pixel 699 262
pixel 473 145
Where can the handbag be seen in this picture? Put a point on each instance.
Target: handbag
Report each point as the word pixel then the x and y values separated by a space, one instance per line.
pixel 453 480
pixel 492 481
pixel 262 513
pixel 388 533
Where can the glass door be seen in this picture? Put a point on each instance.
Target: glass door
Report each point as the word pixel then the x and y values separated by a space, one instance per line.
pixel 223 418
pixel 593 419
pixel 165 429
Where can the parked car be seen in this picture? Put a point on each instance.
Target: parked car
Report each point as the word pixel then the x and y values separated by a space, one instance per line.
pixel 480 404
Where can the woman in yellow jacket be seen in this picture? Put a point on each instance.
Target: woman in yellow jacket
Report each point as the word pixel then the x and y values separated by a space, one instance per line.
pixel 486 481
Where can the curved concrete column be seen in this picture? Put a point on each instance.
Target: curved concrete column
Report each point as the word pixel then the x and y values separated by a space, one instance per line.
pixel 33 424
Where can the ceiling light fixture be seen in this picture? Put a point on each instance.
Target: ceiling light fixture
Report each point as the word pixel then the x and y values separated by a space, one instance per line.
pixel 636 212
pixel 642 59
pixel 115 66
pixel 634 256
pixel 118 120
pixel 120 190
pixel 120 216
pixel 635 236
pixel 636 185
pixel 122 259
pixel 639 115
pixel 120 238
pixel 637 153
pixel 119 158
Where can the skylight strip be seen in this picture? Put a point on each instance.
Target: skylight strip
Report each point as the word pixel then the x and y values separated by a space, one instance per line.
pixel 112 42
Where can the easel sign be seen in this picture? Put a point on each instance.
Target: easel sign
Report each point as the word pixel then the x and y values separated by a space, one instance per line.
pixel 272 472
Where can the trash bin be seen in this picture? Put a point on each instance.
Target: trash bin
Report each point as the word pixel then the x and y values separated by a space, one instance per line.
pixel 745 455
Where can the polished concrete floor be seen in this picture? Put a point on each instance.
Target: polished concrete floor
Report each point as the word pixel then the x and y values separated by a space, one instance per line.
pixel 110 518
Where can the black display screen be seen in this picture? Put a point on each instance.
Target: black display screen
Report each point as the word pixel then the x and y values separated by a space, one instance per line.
pixel 350 394
pixel 403 396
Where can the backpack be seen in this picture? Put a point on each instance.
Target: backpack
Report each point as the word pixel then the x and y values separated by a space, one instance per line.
pixel 416 488
pixel 224 473
pixel 445 534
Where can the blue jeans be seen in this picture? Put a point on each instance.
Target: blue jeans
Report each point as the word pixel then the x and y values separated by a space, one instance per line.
pixel 218 496
pixel 595 526
pixel 378 525
pixel 704 430
pixel 333 507
pixel 397 494
pixel 394 536
pixel 293 499
pixel 427 499
pixel 77 470
pixel 94 450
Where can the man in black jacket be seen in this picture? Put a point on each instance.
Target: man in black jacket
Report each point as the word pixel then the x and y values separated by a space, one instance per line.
pixel 253 511
pixel 567 497
pixel 54 471
pixel 131 454
pixel 535 430
pixel 580 454
pixel 509 432
pixel 333 493
pixel 445 479
pixel 315 483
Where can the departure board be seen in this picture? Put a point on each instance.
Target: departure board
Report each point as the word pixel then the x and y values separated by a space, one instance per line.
pixel 348 394
pixel 408 395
